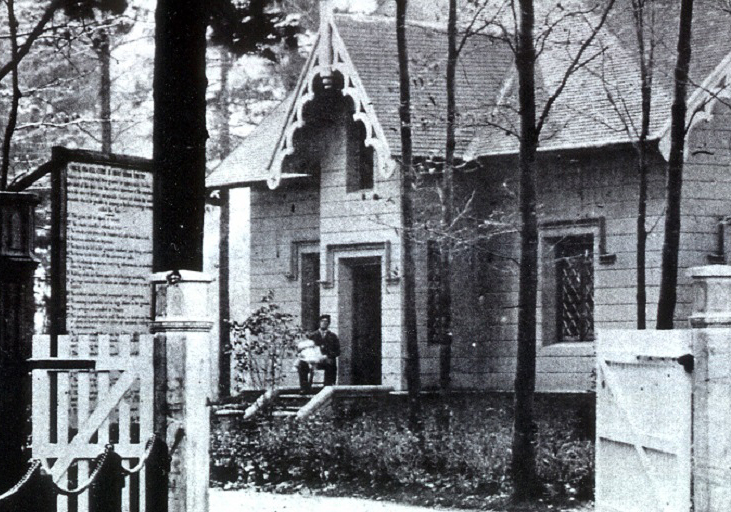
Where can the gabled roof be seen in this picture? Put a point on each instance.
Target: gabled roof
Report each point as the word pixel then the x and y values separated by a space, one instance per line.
pixel 370 49
pixel 601 104
pixel 482 68
pixel 249 162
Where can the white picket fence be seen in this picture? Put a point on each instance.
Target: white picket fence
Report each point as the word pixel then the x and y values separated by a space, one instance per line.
pixel 97 389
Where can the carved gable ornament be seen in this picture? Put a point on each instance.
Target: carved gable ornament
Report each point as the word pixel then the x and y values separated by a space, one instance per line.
pixel 329 56
pixel 714 89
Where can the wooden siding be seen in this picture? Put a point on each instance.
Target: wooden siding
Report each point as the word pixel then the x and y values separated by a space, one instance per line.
pixel 348 225
pixel 588 185
pixel 574 186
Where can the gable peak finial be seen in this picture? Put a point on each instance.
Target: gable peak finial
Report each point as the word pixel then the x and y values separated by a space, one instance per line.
pixel 326 13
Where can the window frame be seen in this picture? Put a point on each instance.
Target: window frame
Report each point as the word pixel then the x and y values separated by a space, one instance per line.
pixel 547 340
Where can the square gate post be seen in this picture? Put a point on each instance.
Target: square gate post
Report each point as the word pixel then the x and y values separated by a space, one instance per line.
pixel 711 323
pixel 182 383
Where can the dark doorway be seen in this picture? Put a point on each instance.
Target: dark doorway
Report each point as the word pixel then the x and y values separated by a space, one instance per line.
pixel 366 324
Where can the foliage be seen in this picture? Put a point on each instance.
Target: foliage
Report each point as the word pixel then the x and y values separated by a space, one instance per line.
pixel 376 454
pixel 253 27
pixel 264 345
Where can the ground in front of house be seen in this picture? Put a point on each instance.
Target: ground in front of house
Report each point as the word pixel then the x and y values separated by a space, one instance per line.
pixel 247 499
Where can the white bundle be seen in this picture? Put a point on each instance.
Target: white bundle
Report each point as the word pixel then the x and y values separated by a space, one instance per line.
pixel 310 353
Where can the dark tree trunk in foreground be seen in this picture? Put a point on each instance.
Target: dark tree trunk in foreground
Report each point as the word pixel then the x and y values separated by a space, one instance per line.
pixel 408 298
pixel 179 134
pixel 646 56
pixel 445 279
pixel 523 456
pixel 671 244
pixel 224 274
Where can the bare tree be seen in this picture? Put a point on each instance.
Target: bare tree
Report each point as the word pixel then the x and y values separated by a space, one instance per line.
pixel 646 52
pixel 179 134
pixel 532 122
pixel 671 243
pixel 15 98
pixel 408 286
pixel 447 197
pixel 638 130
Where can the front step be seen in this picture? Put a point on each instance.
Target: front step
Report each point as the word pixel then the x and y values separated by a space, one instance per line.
pixel 289 402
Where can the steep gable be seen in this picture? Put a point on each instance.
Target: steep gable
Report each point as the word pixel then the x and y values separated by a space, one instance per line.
pixel 363 51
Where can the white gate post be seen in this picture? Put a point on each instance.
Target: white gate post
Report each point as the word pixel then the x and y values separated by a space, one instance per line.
pixel 711 322
pixel 182 383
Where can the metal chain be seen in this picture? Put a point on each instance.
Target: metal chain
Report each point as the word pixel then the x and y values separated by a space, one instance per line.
pixel 148 450
pixel 36 464
pixel 81 488
pixel 28 474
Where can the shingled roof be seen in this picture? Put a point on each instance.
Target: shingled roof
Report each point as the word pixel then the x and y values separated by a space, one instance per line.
pixel 482 69
pixel 598 107
pixel 601 104
pixel 371 45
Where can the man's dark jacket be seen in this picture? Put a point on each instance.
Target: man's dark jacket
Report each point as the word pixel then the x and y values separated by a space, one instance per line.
pixel 329 343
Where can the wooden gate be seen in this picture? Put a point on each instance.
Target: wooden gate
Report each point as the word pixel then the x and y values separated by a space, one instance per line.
pixel 644 418
pixel 97 390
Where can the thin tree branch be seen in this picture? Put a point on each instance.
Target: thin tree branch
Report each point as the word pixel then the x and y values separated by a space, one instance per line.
pixel 34 34
pixel 574 66
pixel 13 116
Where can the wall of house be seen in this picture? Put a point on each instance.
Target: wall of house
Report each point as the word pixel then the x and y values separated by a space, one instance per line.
pixel 351 226
pixel 575 192
pixel 707 192
pixel 359 224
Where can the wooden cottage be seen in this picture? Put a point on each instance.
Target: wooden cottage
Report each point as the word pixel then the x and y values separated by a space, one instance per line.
pixel 325 198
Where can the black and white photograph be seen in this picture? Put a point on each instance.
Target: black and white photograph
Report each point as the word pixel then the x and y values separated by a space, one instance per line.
pixel 365 255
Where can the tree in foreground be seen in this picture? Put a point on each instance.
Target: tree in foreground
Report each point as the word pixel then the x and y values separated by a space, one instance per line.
pixel 671 242
pixel 179 134
pixel 408 286
pixel 531 124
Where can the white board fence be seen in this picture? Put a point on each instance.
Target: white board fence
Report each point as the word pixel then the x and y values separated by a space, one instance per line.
pixel 644 420
pixel 97 390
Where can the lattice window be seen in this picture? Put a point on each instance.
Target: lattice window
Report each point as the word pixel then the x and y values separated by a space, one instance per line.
pixel 575 288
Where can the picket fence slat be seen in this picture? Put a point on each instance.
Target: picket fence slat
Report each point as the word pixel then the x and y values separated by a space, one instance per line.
pixel 88 405
pixel 104 357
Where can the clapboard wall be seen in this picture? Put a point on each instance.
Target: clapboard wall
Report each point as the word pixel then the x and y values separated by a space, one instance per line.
pixel 579 192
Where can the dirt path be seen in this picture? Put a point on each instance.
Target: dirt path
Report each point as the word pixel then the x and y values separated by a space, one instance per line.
pixel 246 500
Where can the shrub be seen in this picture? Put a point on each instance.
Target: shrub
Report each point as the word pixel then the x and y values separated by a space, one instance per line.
pixel 263 345
pixel 376 453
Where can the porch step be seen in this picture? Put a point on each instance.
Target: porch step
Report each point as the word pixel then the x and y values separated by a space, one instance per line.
pixel 289 402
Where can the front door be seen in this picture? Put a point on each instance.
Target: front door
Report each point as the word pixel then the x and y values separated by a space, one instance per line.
pixel 366 324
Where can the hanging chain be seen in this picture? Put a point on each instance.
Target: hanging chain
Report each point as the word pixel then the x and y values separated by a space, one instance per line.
pixel 37 464
pixel 28 474
pixel 148 450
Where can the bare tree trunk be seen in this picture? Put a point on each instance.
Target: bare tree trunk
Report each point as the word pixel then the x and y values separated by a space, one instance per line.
pixel 646 75
pixel 523 456
pixel 671 243
pixel 15 101
pixel 224 274
pixel 179 134
pixel 408 285
pixel 105 90
pixel 445 280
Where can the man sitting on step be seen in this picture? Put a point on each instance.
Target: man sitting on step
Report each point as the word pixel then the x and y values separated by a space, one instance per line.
pixel 329 347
